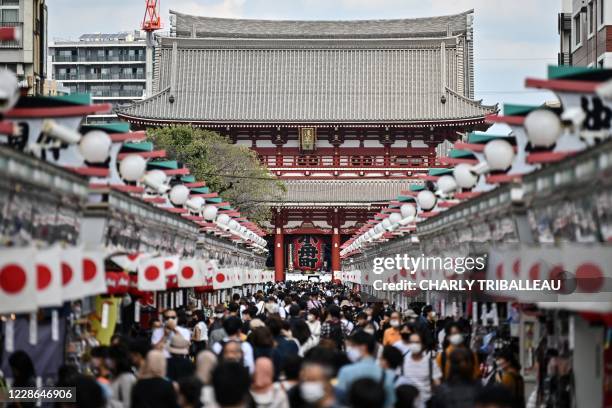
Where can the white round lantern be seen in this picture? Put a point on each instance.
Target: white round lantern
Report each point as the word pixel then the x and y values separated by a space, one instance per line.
pixel 210 212
pixel 408 210
pixel 179 194
pixel 464 176
pixel 155 179
pixel 132 167
pixel 386 223
pixel 446 184
pixel 95 146
pixel 234 225
pixel 195 204
pixel 543 128
pixel 499 154
pixel 9 90
pixel 426 200
pixel 223 219
pixel 379 228
pixel 395 218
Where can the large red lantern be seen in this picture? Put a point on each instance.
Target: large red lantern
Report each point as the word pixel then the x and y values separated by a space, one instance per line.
pixel 308 253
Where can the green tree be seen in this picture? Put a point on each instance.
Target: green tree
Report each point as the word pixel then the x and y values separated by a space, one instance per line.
pixel 231 170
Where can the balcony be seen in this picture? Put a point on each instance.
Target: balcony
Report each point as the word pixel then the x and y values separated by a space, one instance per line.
pixel 116 94
pixel 96 58
pixel 94 77
pixel 12 44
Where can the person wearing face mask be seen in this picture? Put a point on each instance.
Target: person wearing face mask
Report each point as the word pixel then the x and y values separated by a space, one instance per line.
pixel 161 337
pixel 216 330
pixel 360 351
pixel 392 334
pixel 403 344
pixel 420 370
pixel 314 324
pixel 314 389
pixel 508 374
pixel 454 339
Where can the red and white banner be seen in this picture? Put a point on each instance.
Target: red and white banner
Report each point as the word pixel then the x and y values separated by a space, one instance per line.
pixel 189 274
pixel 171 268
pixel 49 277
pixel 17 280
pixel 129 262
pixel 151 274
pixel 94 273
pixel 73 286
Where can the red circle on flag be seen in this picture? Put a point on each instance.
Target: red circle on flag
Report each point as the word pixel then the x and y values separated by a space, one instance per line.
pixel 151 273
pixel 516 267
pixel 66 273
pixel 43 276
pixel 89 269
pixel 132 257
pixel 168 264
pixel 220 277
pixel 12 278
pixel 534 272
pixel 589 277
pixel 499 271
pixel 187 272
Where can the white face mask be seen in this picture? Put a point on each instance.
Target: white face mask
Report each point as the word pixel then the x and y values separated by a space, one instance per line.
pixel 311 318
pixel 394 323
pixel 455 339
pixel 369 330
pixel 312 391
pixel 219 315
pixel 415 348
pixel 353 354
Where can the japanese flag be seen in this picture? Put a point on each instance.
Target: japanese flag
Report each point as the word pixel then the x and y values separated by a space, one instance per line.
pixel 17 280
pixel 171 267
pixel 151 275
pixel 49 277
pixel 128 262
pixel 94 272
pixel 190 275
pixel 73 286
pixel 219 277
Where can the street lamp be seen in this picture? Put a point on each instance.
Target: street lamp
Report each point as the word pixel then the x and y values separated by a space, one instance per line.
pixel 464 176
pixel 132 167
pixel 499 154
pixel 426 200
pixel 210 212
pixel 179 194
pixel 543 128
pixel 95 146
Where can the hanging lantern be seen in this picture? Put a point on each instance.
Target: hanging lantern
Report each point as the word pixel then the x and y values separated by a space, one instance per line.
pixel 426 200
pixel 407 210
pixel 210 212
pixel 395 218
pixel 446 184
pixel 464 176
pixel 132 167
pixel 179 194
pixel 543 128
pixel 95 146
pixel 499 154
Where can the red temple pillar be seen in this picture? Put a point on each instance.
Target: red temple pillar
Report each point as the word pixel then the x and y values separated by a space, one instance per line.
pixel 335 251
pixel 279 255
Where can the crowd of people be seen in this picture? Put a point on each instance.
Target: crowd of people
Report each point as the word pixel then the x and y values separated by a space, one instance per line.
pixel 295 344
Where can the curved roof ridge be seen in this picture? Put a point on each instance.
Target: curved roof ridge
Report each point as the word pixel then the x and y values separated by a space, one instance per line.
pixel 474 102
pixel 202 26
pixel 463 13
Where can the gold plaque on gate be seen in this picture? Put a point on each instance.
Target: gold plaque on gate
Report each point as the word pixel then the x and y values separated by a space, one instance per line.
pixel 308 139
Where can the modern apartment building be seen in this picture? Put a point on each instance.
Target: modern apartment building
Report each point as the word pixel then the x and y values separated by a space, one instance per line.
pixel 585 29
pixel 111 67
pixel 27 56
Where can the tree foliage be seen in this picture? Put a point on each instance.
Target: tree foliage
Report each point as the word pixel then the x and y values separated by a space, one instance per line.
pixel 232 170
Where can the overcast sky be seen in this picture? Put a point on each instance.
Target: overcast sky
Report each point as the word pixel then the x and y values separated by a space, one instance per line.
pixel 513 39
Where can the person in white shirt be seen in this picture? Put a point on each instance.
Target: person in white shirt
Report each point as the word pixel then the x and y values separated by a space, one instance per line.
pixel 420 369
pixel 403 345
pixel 200 333
pixel 314 324
pixel 161 336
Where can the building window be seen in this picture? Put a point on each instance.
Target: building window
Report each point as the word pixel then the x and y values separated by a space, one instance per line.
pixel 601 12
pixel 577 30
pixel 9 15
pixel 9 3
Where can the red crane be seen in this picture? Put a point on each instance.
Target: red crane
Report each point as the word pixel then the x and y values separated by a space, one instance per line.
pixel 151 20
